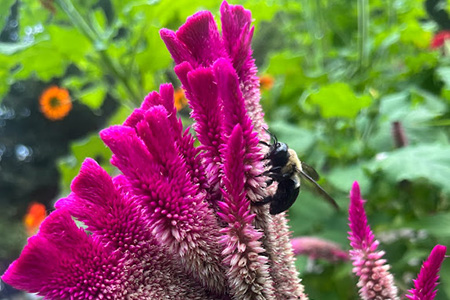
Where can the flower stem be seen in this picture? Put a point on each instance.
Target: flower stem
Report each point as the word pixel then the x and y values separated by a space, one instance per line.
pixel 363 26
pixel 101 46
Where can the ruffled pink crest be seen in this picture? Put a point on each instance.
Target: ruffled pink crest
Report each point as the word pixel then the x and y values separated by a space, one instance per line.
pixel 63 262
pixel 106 208
pixel 110 211
pixel 180 219
pixel 237 35
pixel 183 139
pixel 198 41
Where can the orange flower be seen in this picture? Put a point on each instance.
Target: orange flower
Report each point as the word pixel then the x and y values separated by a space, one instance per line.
pixel 55 103
pixel 34 217
pixel 180 98
pixel 266 82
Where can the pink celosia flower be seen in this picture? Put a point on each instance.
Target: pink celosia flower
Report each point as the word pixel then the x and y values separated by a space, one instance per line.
pixel 375 281
pixel 316 248
pixel 424 285
pixel 439 39
pixel 178 222
pixel 221 69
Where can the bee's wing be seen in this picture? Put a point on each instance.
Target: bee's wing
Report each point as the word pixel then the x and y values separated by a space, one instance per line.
pixel 320 190
pixel 310 171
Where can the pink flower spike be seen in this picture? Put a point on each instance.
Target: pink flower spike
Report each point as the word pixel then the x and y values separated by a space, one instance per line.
pixel 375 281
pixel 439 39
pixel 424 285
pixel 248 270
pixel 316 248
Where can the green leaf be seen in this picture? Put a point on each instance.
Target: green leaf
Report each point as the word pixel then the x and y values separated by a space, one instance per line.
pixel 93 97
pixel 438 225
pixel 429 162
pixel 338 100
pixel 443 74
pixel 297 138
pixel 92 147
pixel 5 11
pixel 13 48
pixel 343 177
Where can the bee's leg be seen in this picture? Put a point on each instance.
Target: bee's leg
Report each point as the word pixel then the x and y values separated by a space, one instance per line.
pixel 271 172
pixel 275 169
pixel 264 143
pixel 263 201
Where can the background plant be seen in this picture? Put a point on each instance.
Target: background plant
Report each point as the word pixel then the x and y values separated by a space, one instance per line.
pixel 344 73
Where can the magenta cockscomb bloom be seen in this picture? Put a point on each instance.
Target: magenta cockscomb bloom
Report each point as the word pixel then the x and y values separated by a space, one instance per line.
pixel 177 223
pixel 375 280
pixel 427 280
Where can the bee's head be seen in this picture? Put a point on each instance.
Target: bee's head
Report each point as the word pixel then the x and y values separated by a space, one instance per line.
pixel 279 154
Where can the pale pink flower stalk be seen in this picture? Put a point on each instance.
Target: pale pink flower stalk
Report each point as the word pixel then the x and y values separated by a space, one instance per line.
pixel 375 281
pixel 427 280
pixel 318 248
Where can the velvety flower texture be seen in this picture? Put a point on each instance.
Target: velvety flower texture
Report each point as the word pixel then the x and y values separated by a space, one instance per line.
pixel 177 223
pixel 375 281
pixel 424 285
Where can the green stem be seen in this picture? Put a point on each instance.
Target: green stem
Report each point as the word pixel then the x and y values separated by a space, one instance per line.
pixel 114 69
pixel 363 26
pixel 99 44
pixel 77 20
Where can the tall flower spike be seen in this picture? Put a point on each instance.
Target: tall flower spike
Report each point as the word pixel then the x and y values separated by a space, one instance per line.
pixel 426 282
pixel 375 281
pixel 248 275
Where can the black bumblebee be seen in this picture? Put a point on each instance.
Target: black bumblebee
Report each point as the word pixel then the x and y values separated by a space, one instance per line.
pixel 287 169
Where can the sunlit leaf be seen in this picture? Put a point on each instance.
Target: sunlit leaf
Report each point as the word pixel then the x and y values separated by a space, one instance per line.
pixel 423 162
pixel 4 12
pixel 438 225
pixel 338 100
pixel 13 48
pixel 92 147
pixel 93 97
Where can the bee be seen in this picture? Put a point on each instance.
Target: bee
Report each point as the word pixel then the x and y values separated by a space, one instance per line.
pixel 287 169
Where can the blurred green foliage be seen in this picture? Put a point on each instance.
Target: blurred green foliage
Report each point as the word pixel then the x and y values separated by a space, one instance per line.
pixel 345 72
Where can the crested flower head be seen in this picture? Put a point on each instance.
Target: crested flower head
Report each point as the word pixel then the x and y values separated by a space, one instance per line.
pixel 178 222
pixel 375 281
pixel 426 282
